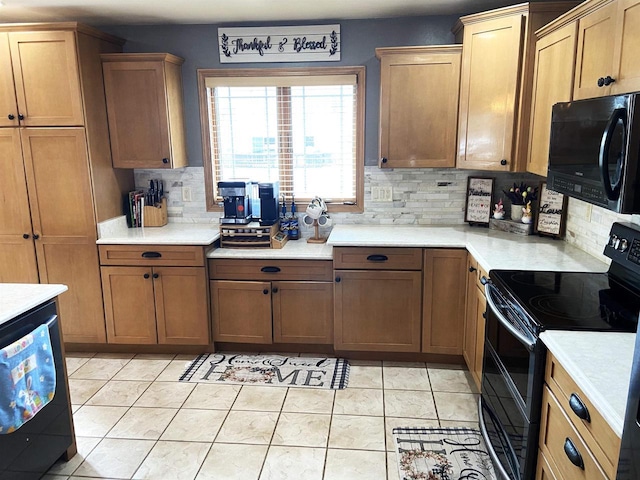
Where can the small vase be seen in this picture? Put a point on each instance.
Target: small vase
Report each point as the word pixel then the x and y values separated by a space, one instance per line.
pixel 516 213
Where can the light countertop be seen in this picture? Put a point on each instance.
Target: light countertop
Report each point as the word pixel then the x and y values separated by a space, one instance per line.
pixel 600 364
pixel 491 248
pixel 116 232
pixel 292 250
pixel 17 298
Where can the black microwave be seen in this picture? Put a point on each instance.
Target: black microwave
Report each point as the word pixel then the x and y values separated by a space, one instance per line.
pixel 594 150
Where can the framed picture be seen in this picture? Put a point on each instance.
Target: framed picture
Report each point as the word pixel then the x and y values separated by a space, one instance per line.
pixel 478 208
pixel 552 212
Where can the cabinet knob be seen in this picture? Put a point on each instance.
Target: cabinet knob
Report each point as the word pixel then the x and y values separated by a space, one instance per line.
pixel 274 289
pixel 484 280
pixel 601 82
pixel 165 160
pixel 338 279
pixel 383 159
pixel 25 236
pixel 146 275
pixel 573 454
pixel 265 291
pixel 579 408
pixel 155 275
pixel 503 162
pixel 36 236
pixel 20 116
pixel 472 269
pixel 11 116
pixel 608 80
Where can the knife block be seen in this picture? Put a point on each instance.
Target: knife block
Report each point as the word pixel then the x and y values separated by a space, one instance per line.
pixel 156 216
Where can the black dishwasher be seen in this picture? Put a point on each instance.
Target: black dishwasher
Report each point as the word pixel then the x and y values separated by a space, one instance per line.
pixel 30 451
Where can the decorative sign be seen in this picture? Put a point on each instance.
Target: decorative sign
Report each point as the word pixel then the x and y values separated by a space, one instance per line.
pixel 306 43
pixel 479 190
pixel 551 212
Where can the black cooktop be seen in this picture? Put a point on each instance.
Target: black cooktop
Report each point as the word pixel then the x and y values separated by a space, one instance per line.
pixel 571 300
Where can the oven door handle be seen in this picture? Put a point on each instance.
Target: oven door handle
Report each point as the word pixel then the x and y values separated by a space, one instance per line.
pixel 497 464
pixel 526 341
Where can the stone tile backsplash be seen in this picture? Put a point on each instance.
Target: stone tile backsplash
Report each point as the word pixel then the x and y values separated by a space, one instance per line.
pixel 420 197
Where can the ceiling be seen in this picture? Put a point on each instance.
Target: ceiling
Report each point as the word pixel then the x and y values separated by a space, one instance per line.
pixel 120 12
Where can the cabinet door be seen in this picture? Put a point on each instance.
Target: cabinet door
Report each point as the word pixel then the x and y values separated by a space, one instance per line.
pixel 489 83
pixel 419 109
pixel 17 254
pixel 181 305
pixel 443 300
pixel 8 105
pixel 129 305
pixel 377 310
pixel 544 471
pixel 552 83
pixel 481 308
pixel 47 80
pixel 627 44
pixel 302 312
pixel 594 52
pixel 241 311
pixel 470 320
pixel 137 111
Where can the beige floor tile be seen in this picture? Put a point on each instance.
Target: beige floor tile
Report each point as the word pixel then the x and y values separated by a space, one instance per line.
pixel 74 363
pixel 82 390
pixel 233 461
pixel 248 427
pixel 457 406
pixel 208 396
pixel 447 366
pixel 451 380
pixel 115 457
pixel 165 395
pixel 173 371
pixel 392 466
pixel 307 400
pixel 194 425
pixel 264 399
pixel 459 423
pixel 143 423
pixel 142 369
pixel 365 377
pixel 186 356
pixel 403 378
pixel 173 461
pixel 156 356
pixel 75 408
pixel 85 445
pixel 409 403
pixel 96 421
pixel 355 465
pixel 293 463
pixel 69 354
pixel 100 368
pixel 396 422
pixel 119 393
pixel 302 430
pixel 355 432
pixel 390 363
pixel 358 401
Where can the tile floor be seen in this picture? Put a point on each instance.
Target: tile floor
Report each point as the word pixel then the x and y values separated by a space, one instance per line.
pixel 134 420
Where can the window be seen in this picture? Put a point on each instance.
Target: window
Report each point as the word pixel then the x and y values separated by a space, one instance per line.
pixel 303 127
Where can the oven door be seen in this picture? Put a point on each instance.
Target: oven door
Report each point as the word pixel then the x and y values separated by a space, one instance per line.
pixel 512 376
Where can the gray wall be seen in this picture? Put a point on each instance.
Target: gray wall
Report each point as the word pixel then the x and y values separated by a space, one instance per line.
pixel 197 44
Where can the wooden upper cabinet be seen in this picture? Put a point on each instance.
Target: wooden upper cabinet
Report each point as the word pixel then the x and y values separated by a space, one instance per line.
pixel 496 84
pixel 552 83
pixel 47 79
pixel 145 110
pixel 595 52
pixel 626 67
pixel 490 74
pixel 8 104
pixel 419 105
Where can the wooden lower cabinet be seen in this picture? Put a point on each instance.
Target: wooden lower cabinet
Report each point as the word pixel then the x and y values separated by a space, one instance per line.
pixel 149 305
pixel 377 310
pixel 443 309
pixel 474 324
pixel 544 471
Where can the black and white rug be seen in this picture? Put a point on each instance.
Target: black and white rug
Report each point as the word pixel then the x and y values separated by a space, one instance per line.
pixel 277 370
pixel 442 454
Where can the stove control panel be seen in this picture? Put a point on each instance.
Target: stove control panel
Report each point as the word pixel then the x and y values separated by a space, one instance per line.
pixel 623 246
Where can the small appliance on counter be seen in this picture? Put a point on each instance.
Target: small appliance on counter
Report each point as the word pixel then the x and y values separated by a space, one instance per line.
pixel 238 198
pixel 268 194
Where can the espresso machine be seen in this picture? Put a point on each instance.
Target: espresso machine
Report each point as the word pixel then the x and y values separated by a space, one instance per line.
pixel 239 196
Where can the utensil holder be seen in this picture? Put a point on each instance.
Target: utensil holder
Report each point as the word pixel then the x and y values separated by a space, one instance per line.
pixel 156 216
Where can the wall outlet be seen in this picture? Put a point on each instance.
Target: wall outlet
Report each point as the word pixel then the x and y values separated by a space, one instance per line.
pixel 382 193
pixel 186 194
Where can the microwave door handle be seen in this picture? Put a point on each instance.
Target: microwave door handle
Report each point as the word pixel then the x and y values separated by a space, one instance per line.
pixel 612 191
pixel 523 339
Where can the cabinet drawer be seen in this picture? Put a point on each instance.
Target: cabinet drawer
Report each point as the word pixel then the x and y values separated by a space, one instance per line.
pixel 555 433
pixel 164 255
pixel 223 269
pixel 372 258
pixel 603 442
